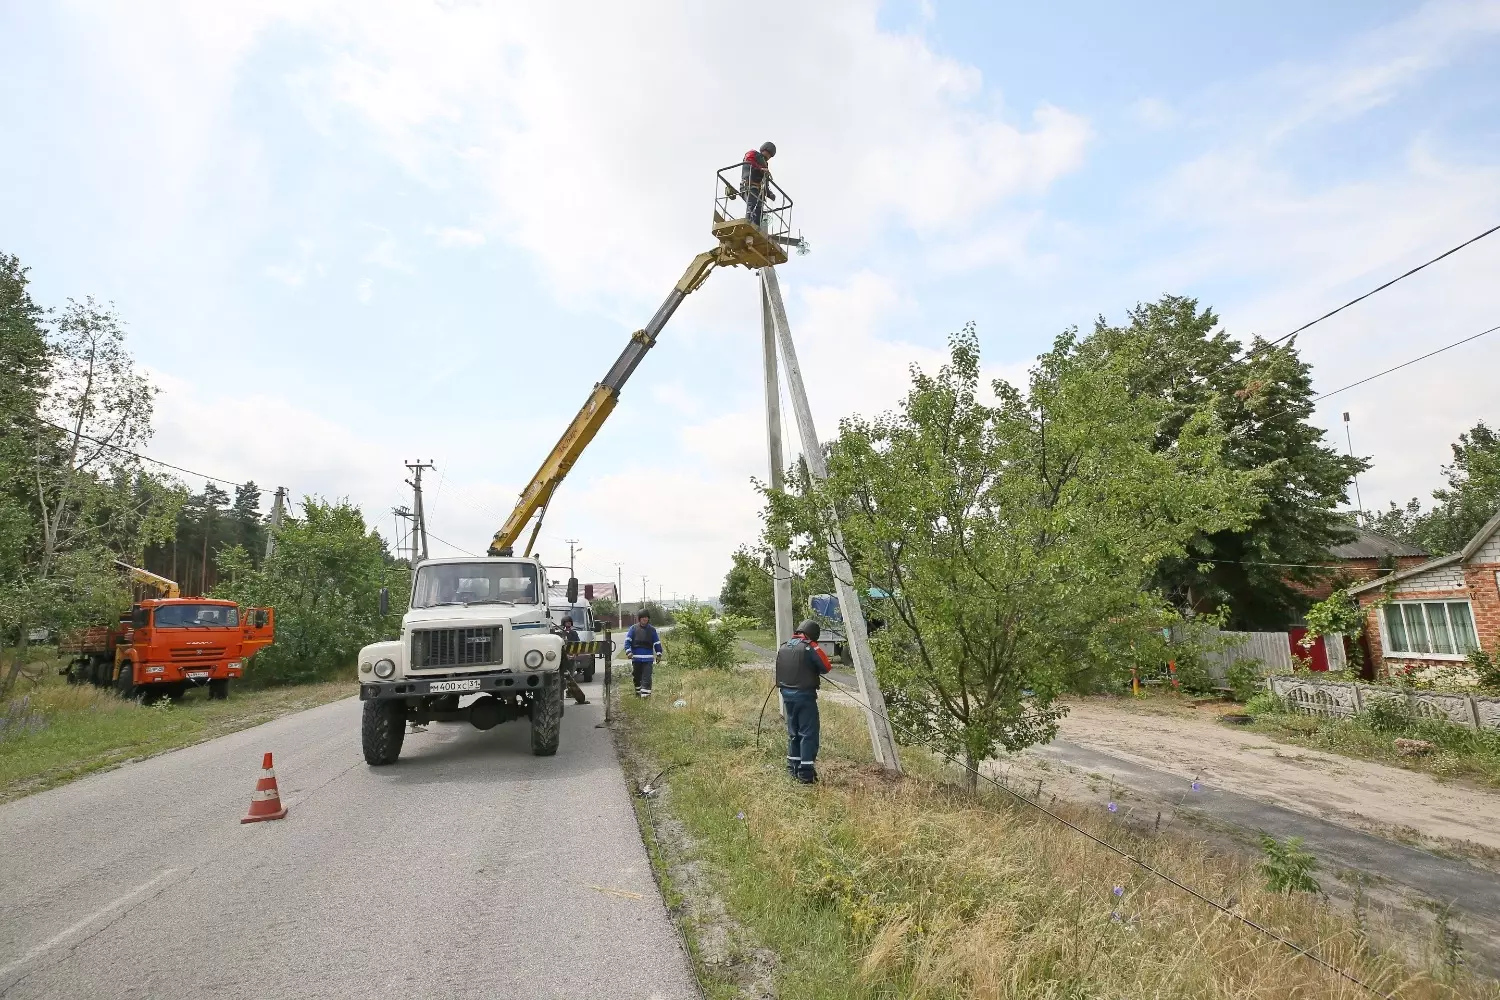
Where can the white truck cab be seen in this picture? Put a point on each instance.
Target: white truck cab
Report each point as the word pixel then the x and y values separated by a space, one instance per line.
pixel 475 627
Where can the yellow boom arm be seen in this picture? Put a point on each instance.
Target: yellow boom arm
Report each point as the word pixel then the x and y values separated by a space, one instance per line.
pixel 163 586
pixel 601 401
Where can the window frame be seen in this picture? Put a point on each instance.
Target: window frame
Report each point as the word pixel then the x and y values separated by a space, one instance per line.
pixel 1419 610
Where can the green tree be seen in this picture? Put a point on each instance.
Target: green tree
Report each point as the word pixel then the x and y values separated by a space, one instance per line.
pixel 1470 499
pixel 1176 354
pixel 702 638
pixel 324 582
pixel 1017 539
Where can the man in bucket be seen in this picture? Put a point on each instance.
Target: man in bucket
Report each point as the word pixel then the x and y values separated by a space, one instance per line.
pixel 800 666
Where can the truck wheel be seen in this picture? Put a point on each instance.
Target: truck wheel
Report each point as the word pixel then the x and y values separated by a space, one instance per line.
pixel 546 717
pixel 588 671
pixel 382 731
pixel 218 690
pixel 176 692
pixel 125 683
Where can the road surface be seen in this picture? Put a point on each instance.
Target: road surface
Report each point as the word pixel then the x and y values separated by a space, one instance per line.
pixel 470 868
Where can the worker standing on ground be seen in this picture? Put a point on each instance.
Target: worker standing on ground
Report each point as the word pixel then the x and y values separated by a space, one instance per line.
pixel 800 666
pixel 643 646
pixel 569 635
pixel 755 178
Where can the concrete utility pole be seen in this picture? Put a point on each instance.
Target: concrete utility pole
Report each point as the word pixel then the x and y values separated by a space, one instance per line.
pixel 418 512
pixel 572 543
pixel 278 512
pixel 1348 437
pixel 881 738
pixel 619 595
pixel 781 563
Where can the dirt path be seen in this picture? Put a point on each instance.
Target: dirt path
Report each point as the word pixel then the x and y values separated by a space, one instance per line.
pixel 1354 793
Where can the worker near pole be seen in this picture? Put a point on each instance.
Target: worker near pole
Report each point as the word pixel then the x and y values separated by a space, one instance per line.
pixel 569 635
pixel 755 178
pixel 643 646
pixel 800 666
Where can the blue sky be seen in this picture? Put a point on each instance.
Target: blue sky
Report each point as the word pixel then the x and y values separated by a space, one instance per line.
pixel 346 234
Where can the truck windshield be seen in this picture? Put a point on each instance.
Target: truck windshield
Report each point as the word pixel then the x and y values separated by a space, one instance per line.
pixel 474 583
pixel 197 616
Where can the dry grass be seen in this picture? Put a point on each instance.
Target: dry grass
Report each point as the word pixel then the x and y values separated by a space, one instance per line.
pixel 869 887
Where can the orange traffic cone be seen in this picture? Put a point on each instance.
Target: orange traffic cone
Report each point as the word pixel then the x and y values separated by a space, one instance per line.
pixel 265 801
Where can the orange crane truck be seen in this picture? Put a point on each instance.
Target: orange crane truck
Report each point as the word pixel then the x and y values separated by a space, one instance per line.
pixel 168 644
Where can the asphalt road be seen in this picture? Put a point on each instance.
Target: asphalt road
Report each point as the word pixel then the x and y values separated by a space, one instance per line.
pixel 470 868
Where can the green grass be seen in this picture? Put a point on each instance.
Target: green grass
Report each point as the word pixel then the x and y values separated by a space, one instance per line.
pixel 59 732
pixel 762 637
pixel 1458 752
pixel 867 886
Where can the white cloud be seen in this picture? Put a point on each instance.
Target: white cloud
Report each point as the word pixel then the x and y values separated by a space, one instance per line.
pixel 1154 113
pixel 457 237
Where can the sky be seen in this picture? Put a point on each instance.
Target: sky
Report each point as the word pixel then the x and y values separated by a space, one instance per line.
pixel 345 234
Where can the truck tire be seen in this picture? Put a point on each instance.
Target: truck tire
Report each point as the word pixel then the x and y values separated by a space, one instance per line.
pixel 125 683
pixel 588 670
pixel 382 731
pixel 218 690
pixel 546 717
pixel 176 692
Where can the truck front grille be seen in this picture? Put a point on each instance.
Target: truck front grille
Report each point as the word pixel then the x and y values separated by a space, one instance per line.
pixel 198 653
pixel 455 647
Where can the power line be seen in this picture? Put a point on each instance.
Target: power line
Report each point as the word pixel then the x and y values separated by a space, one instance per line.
pixel 1429 354
pixel 135 454
pixel 452 546
pixel 1196 894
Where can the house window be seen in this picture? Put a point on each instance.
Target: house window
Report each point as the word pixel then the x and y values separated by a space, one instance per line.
pixel 1442 628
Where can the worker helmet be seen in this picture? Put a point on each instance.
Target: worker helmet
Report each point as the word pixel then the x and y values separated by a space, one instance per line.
pixel 810 629
pixel 769 148
pixel 643 613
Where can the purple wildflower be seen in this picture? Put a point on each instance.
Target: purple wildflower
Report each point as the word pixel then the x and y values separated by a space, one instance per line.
pixel 1113 807
pixel 1119 890
pixel 1197 787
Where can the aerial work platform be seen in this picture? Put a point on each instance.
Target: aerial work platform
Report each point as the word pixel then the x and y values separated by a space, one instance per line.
pixel 752 224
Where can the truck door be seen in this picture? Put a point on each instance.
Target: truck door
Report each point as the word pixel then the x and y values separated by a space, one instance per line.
pixel 258 630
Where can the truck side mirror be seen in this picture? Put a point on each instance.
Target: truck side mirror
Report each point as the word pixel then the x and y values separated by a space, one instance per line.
pixel 385 601
pixel 572 590
pixel 588 591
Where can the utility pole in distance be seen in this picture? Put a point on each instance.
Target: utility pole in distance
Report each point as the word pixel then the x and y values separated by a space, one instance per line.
pixel 418 513
pixel 278 512
pixel 620 595
pixel 572 544
pixel 405 540
pixel 1349 438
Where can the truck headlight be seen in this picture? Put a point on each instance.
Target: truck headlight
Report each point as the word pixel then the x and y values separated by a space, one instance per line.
pixel 533 658
pixel 384 669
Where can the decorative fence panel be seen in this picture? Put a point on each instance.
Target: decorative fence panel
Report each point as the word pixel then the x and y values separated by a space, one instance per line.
pixel 1305 693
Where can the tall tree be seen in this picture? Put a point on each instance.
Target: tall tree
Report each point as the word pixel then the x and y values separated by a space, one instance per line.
pixel 1177 354
pixel 1016 540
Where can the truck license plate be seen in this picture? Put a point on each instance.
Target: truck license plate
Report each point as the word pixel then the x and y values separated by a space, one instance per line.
pixel 437 686
pixel 197 675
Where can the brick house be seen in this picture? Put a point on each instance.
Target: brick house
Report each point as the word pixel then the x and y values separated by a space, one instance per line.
pixel 1368 555
pixel 1438 610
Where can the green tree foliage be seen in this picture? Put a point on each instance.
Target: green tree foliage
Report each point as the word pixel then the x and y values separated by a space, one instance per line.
pixel 1174 353
pixel 702 638
pixel 209 523
pixel 324 582
pixel 1287 866
pixel 1016 539
pixel 75 496
pixel 1470 499
pixel 748 590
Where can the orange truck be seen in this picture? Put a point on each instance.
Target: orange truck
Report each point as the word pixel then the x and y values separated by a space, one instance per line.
pixel 167 645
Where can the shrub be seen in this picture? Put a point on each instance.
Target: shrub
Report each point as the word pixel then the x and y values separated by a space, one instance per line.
pixel 1387 715
pixel 1244 679
pixel 701 640
pixel 1264 703
pixel 1193 676
pixel 1286 866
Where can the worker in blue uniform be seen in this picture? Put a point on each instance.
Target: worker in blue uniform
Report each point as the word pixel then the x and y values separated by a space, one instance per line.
pixel 643 645
pixel 800 666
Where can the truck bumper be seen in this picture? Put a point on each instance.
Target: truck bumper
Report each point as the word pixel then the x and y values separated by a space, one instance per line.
pixel 499 682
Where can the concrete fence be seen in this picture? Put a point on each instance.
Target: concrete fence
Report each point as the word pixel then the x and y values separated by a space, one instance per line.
pixel 1341 699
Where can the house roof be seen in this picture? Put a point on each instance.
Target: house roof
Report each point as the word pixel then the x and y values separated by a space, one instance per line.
pixel 1373 545
pixel 1482 536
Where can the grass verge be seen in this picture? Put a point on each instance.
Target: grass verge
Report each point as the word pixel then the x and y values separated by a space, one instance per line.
pixel 765 638
pixel 56 732
pixel 866 886
pixel 1457 752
